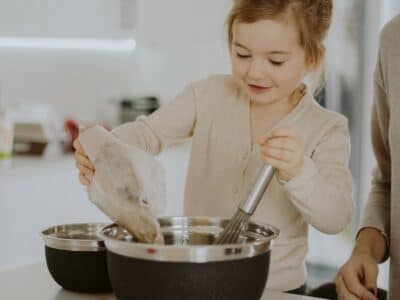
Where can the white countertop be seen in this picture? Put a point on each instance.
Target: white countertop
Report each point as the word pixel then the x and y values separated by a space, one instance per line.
pixel 34 282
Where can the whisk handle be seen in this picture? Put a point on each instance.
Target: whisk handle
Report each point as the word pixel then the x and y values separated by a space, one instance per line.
pixel 264 177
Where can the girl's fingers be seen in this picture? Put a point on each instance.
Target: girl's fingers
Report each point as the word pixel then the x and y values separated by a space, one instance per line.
pixel 284 132
pixel 84 161
pixel 89 173
pixel 78 148
pixel 263 139
pixel 276 163
pixel 83 179
pixel 284 143
pixel 279 154
pixel 77 145
pixel 81 156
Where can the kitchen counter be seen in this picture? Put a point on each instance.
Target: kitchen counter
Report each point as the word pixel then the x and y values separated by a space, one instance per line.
pixel 34 282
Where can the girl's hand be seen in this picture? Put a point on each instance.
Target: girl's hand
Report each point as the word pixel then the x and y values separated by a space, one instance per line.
pixel 84 164
pixel 284 151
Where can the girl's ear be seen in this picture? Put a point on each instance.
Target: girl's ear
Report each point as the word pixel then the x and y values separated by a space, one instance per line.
pixel 319 60
pixel 312 66
pixel 308 69
pixel 315 63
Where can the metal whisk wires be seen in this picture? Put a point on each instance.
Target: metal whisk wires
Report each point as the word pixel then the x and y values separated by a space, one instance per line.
pixel 235 226
pixel 238 223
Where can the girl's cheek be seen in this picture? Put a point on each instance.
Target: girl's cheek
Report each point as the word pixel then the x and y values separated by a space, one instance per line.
pixel 240 67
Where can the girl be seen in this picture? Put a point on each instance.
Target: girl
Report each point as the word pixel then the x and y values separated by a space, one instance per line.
pixel 261 114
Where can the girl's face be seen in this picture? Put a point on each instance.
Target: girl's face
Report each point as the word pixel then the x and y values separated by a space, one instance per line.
pixel 268 62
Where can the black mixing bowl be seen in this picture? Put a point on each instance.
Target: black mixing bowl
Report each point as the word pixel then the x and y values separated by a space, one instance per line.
pixel 189 265
pixel 76 257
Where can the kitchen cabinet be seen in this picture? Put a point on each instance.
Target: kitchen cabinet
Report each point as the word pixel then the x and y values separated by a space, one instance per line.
pixel 34 282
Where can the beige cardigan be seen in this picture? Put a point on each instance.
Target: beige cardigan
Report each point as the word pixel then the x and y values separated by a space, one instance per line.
pixel 383 207
pixel 216 115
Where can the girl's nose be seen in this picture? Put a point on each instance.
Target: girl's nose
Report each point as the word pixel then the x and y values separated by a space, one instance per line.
pixel 256 70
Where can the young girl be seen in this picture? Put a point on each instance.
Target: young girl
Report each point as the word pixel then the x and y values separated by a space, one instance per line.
pixel 261 114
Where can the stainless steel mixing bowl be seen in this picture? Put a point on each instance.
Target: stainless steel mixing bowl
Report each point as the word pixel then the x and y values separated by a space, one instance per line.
pixel 189 265
pixel 76 257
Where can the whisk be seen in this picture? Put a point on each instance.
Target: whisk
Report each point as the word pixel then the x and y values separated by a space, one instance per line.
pixel 231 232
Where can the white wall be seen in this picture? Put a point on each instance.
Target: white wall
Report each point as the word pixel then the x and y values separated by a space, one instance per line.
pixel 174 48
pixel 81 83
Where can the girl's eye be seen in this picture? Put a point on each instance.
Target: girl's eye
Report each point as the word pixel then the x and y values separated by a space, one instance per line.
pixel 242 55
pixel 277 63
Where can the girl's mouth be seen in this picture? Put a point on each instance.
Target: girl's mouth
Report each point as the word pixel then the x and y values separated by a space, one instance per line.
pixel 258 89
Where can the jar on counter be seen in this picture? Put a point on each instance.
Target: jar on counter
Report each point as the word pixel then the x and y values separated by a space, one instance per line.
pixel 130 109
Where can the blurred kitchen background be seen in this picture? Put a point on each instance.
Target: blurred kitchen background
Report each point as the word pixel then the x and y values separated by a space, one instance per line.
pixel 70 62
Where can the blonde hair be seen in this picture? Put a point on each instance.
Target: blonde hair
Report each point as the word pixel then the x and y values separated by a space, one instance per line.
pixel 312 17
